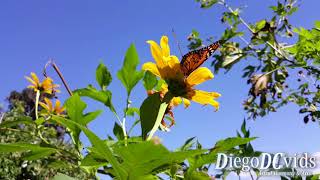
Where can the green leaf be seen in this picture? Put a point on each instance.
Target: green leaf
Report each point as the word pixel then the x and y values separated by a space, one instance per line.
pixel 149 80
pixel 38 154
pixel 18 147
pixel 188 144
pixel 132 110
pixel 196 175
pixel 61 176
pixel 243 127
pixel 229 143
pixel 40 121
pixel 260 25
pixel 98 145
pixel 147 158
pixel 101 96
pixel 19 120
pixel 317 24
pixel 75 107
pixel 128 74
pixel 103 76
pixel 207 3
pixel 211 157
pixel 117 131
pixel 92 162
pixel 149 112
pixel 87 118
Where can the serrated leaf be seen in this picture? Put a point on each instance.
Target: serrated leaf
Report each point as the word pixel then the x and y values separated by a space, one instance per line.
pixel 101 96
pixel 103 76
pixel 75 107
pixel 128 74
pixel 147 158
pixel 98 145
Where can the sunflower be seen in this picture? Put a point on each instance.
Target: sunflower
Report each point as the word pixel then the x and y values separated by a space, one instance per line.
pixel 168 68
pixel 46 86
pixel 57 109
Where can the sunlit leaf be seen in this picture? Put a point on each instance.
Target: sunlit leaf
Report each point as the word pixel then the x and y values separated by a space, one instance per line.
pixel 149 80
pixel 101 96
pixel 99 146
pixel 128 74
pixel 103 76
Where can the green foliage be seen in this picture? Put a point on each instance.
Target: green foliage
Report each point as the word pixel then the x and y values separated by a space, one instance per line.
pixel 33 148
pixel 149 80
pixel 75 107
pixel 271 61
pixel 103 96
pixel 103 76
pixel 207 3
pixel 149 112
pixel 128 74
pixel 23 154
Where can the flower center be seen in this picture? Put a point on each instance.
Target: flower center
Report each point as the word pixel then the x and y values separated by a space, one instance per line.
pixel 177 87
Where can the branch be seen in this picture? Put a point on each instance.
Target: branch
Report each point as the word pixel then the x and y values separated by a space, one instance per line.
pixel 55 67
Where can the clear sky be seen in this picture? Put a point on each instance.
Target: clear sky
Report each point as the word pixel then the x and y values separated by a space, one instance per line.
pixel 78 34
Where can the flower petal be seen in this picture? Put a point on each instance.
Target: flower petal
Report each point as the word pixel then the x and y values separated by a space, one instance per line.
pixel 173 70
pixel 156 53
pixel 45 106
pixel 31 80
pixel 203 97
pixel 199 76
pixel 35 78
pixel 49 103
pixel 186 103
pixel 176 101
pixel 165 46
pixel 152 67
pixel 164 88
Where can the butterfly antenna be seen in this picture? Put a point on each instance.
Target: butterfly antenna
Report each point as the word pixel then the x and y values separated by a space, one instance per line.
pixel 177 41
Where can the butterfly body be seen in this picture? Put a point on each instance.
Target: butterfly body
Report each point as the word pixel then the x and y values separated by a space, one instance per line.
pixel 194 59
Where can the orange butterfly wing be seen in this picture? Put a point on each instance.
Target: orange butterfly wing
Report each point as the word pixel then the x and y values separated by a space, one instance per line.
pixel 194 59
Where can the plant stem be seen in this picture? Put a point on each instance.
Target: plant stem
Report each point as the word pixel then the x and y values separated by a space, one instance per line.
pixel 37 103
pixel 55 67
pixel 124 120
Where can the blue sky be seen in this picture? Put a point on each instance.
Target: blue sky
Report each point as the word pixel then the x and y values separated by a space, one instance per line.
pixel 79 34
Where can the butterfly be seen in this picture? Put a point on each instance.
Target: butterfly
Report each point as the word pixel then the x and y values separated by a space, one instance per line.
pixel 194 59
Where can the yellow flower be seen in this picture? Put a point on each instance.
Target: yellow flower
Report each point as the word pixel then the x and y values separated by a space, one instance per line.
pixel 50 109
pixel 45 86
pixel 168 67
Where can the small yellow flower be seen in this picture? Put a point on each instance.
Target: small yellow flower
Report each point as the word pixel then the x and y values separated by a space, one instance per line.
pixel 168 67
pixel 50 109
pixel 45 86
